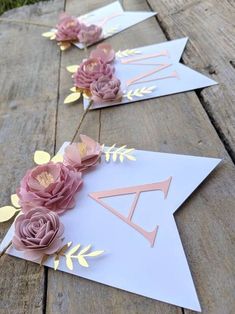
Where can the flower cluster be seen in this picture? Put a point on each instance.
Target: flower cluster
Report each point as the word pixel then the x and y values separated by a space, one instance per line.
pixel 70 30
pixel 95 76
pixel 47 191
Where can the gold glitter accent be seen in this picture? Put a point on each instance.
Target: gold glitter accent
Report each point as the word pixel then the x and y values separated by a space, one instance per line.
pixel 45 179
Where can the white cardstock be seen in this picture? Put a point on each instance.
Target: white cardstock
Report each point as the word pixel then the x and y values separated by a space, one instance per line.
pixel 153 71
pixel 113 19
pixel 129 262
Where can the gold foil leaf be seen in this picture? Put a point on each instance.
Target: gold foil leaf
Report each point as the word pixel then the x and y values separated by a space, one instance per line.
pixel 7 212
pixel 41 157
pixel 64 45
pixel 56 262
pixel 139 92
pixel 94 254
pixel 69 262
pixel 80 257
pixel 57 158
pixel 15 201
pixel 127 52
pixel 48 34
pixel 118 153
pixel 72 97
pixel 72 68
pixel 82 261
pixel 73 89
pixel 85 249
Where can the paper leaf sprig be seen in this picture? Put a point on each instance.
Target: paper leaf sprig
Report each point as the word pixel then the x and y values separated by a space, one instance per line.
pixel 111 31
pixel 118 153
pixel 41 157
pixel 139 92
pixel 51 34
pixel 7 212
pixel 76 92
pixel 127 52
pixel 75 254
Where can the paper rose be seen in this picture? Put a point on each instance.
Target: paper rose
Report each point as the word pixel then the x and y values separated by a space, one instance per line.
pixel 68 28
pixel 106 89
pixel 51 185
pixel 82 155
pixel 38 233
pixel 104 52
pixel 89 34
pixel 90 70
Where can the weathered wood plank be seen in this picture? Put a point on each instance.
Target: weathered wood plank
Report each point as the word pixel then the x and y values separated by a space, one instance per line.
pixel 27 122
pixel 210 26
pixel 74 294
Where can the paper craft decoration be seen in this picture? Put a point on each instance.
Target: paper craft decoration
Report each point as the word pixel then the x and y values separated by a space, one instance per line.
pixel 137 74
pixel 127 209
pixel 106 21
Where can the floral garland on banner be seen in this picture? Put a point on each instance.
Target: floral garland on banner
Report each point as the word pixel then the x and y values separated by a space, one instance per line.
pixel 70 30
pixel 48 191
pixel 95 77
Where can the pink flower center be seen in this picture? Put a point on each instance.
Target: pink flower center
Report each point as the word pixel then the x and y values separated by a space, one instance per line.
pixel 45 179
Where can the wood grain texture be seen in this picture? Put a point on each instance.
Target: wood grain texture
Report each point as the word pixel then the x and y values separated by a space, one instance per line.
pixel 27 122
pixel 211 49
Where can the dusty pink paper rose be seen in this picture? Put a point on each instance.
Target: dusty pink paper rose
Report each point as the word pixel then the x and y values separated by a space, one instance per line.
pixel 82 155
pixel 52 185
pixel 68 28
pixel 89 34
pixel 104 52
pixel 106 89
pixel 38 233
pixel 90 70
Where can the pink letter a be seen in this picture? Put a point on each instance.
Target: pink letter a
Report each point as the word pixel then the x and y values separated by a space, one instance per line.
pixel 162 186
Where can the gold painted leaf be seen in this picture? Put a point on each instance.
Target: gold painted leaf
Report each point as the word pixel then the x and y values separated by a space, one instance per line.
pixel 58 158
pixel 69 262
pixel 107 157
pixel 72 97
pixel 15 201
pixel 7 212
pixel 121 158
pixel 73 250
pixel 130 157
pixel 72 68
pixel 48 34
pixel 64 248
pixel 44 259
pixel 95 253
pixel 114 156
pixel 53 37
pixel 85 250
pixel 56 262
pixel 82 261
pixel 73 89
pixel 64 46
pixel 110 148
pixel 41 157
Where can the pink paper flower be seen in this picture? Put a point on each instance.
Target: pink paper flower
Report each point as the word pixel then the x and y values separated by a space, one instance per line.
pixel 89 34
pixel 38 233
pixel 90 70
pixel 104 52
pixel 68 28
pixel 106 90
pixel 51 185
pixel 82 155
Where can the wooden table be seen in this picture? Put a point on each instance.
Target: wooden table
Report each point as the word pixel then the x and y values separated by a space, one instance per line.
pixel 34 83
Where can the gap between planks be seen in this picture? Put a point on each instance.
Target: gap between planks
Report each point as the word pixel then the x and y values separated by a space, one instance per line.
pixel 198 92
